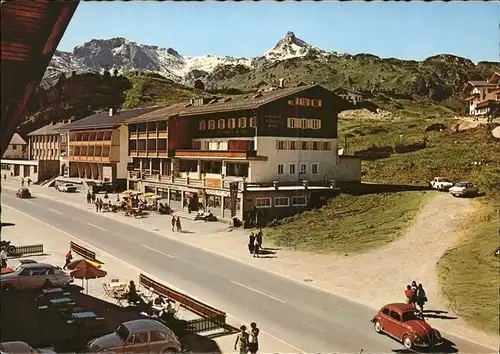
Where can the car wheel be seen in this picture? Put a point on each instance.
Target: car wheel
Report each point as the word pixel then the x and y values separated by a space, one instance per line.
pixel 378 327
pixel 407 342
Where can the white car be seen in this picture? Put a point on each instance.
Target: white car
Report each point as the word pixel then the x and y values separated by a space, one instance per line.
pixel 441 183
pixel 21 347
pixel 67 188
pixel 462 189
pixel 34 276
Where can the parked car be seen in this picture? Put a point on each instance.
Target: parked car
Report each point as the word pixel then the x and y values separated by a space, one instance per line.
pixel 402 322
pixel 138 336
pixel 441 183
pixel 67 188
pixel 34 276
pixel 21 347
pixel 105 187
pixel 23 193
pixel 24 261
pixel 462 189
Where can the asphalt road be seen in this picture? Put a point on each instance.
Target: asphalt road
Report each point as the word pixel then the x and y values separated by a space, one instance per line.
pixel 307 318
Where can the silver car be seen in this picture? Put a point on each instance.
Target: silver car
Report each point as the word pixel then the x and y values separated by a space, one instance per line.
pixel 34 276
pixel 462 189
pixel 138 336
pixel 21 347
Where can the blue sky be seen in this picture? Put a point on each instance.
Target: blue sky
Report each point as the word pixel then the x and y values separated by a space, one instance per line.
pixel 402 30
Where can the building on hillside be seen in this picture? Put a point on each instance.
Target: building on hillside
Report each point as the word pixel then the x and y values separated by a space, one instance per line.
pixel 264 85
pixel 98 146
pixel 483 97
pixel 256 156
pixel 352 95
pixel 17 148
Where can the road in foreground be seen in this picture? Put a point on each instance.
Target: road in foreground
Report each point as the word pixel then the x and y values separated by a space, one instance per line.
pixel 310 319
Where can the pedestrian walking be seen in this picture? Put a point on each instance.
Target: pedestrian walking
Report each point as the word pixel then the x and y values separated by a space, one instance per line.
pixel 178 224
pixel 11 174
pixel 259 238
pixel 251 243
pixel 89 197
pixel 4 177
pixel 3 258
pixel 29 181
pixel 22 181
pixel 253 341
pixel 173 223
pixel 410 295
pixel 241 344
pixel 421 298
pixel 256 249
pixel 68 258
pixel 93 197
pixel 96 206
pixel 100 204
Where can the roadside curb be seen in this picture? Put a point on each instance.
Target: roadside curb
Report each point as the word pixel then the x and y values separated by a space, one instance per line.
pixel 82 207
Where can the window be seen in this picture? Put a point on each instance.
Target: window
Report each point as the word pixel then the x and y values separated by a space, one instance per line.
pixel 314 168
pixel 327 145
pixel 281 202
pixel 221 124
pixel 206 145
pixel 290 123
pixel 211 125
pixel 157 336
pixel 292 145
pixel 231 123
pixel 315 145
pixel 303 123
pixel 291 169
pixel 385 311
pixel 304 145
pixel 291 102
pixel 253 122
pixel 141 337
pixel 303 168
pixel 25 272
pixel 262 202
pixel 395 316
pixel 242 122
pixel 298 201
pixel 280 145
pixel 316 124
pixel 281 169
pixel 14 147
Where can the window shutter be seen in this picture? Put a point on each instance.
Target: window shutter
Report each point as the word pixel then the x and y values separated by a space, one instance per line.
pixel 277 144
pixel 319 123
pixel 309 124
pixel 297 122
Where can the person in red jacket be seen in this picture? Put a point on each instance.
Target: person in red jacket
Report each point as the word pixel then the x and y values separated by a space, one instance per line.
pixel 69 257
pixel 410 294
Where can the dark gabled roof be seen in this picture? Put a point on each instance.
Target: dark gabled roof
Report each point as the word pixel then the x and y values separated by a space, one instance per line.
pixel 349 90
pixel 103 120
pixel 49 129
pixel 247 101
pixel 17 140
pixel 159 114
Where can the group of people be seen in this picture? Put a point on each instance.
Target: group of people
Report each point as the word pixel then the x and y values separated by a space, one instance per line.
pixel 176 223
pixel 28 180
pixel 247 341
pixel 255 243
pixel 3 257
pixel 415 296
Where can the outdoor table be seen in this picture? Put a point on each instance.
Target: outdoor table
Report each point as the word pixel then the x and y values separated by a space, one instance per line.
pixel 83 315
pixel 63 301
pixel 52 290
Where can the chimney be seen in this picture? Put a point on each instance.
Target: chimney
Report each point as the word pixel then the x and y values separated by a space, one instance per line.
pixel 111 112
pixel 282 83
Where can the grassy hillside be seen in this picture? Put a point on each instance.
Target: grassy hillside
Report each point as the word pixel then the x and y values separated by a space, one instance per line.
pixel 82 95
pixel 438 78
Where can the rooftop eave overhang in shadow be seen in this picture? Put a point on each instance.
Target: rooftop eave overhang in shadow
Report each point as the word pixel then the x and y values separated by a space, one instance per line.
pixel 31 32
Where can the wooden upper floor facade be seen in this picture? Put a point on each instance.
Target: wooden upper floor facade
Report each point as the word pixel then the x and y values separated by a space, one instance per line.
pixel 303 112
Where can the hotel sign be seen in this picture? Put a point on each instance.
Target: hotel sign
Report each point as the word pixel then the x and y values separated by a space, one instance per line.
pixel 212 183
pixel 272 121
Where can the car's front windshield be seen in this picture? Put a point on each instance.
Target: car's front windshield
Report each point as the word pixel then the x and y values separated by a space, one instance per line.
pixel 410 316
pixel 122 332
pixel 460 184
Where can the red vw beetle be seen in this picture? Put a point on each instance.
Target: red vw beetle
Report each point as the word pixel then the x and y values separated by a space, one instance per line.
pixel 402 322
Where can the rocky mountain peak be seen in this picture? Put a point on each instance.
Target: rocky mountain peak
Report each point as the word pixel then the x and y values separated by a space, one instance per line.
pixel 289 47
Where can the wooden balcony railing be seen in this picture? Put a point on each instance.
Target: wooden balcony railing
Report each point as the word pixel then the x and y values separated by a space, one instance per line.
pixel 90 142
pixel 144 153
pixel 101 159
pixel 222 154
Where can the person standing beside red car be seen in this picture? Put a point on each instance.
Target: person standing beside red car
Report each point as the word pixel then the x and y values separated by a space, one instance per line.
pixel 410 295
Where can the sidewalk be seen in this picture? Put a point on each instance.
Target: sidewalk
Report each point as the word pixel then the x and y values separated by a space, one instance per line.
pixel 344 275
pixel 56 246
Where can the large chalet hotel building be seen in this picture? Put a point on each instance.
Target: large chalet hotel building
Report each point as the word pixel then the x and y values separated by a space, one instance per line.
pixel 255 156
pixel 483 97
pixel 243 155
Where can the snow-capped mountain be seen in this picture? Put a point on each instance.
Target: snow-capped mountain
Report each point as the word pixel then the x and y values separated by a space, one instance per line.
pixel 125 55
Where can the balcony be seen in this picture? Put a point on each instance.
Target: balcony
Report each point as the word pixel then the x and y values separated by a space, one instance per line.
pixel 99 159
pixel 218 154
pixel 184 181
pixel 89 142
pixel 144 153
